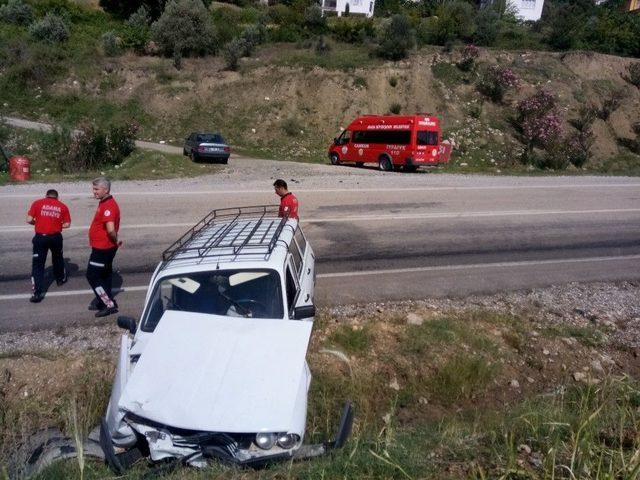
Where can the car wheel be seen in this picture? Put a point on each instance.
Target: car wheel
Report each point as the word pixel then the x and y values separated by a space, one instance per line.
pixel 194 157
pixel 184 152
pixel 385 164
pixel 335 159
pixel 359 164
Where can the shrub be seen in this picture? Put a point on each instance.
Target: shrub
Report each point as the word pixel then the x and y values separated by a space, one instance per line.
pixel 539 121
pixel 125 8
pixel 633 76
pixel 395 108
pixel 121 142
pixel 253 35
pixel 282 15
pixel 322 47
pixel 185 27
pixel 16 12
pixel 453 21
pixel 50 29
pixel 314 19
pixel 610 104
pixel 352 29
pixel 578 148
pixel 397 38
pixel 496 81
pixel 34 65
pixel 554 158
pixel 487 27
pixel 233 52
pixel 393 81
pixel 291 127
pixel 111 44
pixel 469 56
pixel 137 32
pixel 91 148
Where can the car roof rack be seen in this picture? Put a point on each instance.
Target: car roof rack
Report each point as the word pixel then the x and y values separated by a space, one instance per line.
pixel 230 232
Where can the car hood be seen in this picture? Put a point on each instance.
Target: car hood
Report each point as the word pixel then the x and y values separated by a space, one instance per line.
pixel 224 374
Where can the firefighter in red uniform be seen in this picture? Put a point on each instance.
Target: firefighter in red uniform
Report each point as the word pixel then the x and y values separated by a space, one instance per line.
pixel 49 216
pixel 103 238
pixel 288 201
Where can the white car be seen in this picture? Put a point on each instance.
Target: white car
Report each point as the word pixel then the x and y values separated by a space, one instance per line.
pixel 216 368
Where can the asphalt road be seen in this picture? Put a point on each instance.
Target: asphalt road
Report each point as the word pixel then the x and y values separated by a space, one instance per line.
pixel 416 237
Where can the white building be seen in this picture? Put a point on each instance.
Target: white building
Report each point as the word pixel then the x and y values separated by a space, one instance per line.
pixel 528 9
pixel 342 7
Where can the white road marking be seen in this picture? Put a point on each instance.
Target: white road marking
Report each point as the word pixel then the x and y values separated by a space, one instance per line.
pixel 350 190
pixel 471 266
pixel 370 218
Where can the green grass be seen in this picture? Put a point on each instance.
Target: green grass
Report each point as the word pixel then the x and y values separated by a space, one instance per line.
pixel 448 74
pixel 354 339
pixel 343 57
pixel 588 336
pixel 420 339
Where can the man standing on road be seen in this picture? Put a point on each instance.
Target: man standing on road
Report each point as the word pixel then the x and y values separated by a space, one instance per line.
pixel 103 238
pixel 49 216
pixel 288 201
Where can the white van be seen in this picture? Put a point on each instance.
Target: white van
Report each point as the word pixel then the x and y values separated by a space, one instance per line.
pixel 216 370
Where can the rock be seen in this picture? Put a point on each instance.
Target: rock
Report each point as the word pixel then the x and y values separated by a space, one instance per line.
pixel 514 383
pixel 162 142
pixel 570 341
pixel 597 366
pixel 463 164
pixel 535 459
pixel 423 401
pixel 253 130
pixel 414 319
pixel 151 48
pixel 524 448
pixel 530 380
pixel 580 376
pixel 545 351
pixel 394 385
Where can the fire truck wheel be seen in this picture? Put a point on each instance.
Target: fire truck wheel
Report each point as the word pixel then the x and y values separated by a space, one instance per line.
pixel 385 164
pixel 335 160
pixel 359 164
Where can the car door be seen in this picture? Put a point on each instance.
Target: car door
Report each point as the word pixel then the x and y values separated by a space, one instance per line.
pixel 306 272
pixel 291 286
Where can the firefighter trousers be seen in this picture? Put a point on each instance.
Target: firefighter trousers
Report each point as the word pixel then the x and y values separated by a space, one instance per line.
pixel 41 246
pixel 99 275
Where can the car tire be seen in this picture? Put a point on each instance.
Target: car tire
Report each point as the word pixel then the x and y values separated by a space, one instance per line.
pixel 335 159
pixel 360 164
pixel 194 157
pixel 184 152
pixel 385 163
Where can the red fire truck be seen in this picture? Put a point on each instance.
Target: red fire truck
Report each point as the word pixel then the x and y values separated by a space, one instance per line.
pixel 391 142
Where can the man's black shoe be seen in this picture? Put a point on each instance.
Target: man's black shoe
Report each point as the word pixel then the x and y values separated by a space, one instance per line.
pixel 106 311
pixel 62 282
pixel 94 306
pixel 36 297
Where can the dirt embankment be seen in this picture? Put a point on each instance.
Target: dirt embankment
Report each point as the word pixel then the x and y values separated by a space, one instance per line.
pixel 294 111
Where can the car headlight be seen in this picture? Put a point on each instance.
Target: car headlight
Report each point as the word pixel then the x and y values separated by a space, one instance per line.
pixel 287 440
pixel 266 441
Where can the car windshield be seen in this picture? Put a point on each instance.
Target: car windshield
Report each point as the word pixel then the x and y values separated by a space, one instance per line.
pixel 210 138
pixel 232 293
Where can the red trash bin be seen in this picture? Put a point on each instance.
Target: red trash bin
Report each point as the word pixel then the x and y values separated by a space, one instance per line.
pixel 19 169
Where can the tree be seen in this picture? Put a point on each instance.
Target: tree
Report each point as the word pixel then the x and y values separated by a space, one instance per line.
pixel 397 38
pixel 185 28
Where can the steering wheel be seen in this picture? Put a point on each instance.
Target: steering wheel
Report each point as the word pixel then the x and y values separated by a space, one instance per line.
pixel 257 309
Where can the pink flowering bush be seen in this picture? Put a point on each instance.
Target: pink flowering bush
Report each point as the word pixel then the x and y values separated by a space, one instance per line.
pixel 539 120
pixel 496 81
pixel 469 56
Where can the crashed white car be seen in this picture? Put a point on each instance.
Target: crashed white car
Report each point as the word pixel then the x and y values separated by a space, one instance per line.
pixel 216 369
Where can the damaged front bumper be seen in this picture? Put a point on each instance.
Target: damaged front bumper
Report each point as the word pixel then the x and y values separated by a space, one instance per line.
pixel 200 448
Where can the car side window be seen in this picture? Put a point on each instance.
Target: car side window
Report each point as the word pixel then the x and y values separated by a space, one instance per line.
pixel 292 289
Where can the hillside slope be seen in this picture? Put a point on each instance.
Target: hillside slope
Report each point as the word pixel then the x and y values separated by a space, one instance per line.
pixel 281 105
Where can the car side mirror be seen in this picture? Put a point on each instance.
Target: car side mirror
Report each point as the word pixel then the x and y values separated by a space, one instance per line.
pixel 335 140
pixel 306 311
pixel 127 323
